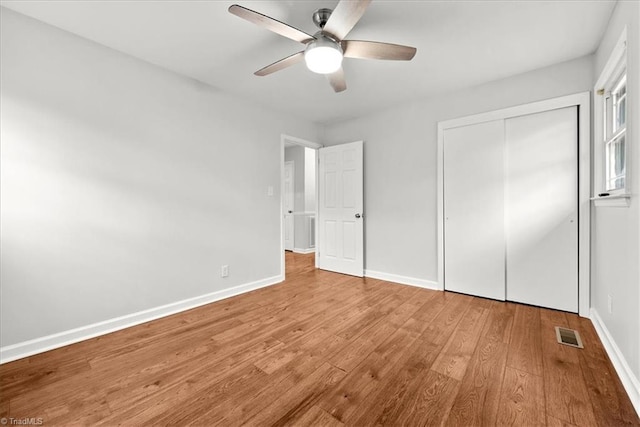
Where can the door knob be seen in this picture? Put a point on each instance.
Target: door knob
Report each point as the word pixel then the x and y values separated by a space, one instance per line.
pixel 290 211
pixel 357 215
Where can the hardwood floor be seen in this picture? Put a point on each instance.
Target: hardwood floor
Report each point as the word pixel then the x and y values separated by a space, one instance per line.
pixel 327 349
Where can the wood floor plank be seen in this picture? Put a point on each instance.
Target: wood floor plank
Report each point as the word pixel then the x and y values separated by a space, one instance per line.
pixel 478 399
pixel 500 322
pixel 344 305
pixel 318 300
pixel 522 401
pixel 157 333
pixel 367 351
pixel 255 399
pixel 22 375
pixel 525 348
pixel 554 422
pixel 5 410
pixel 343 403
pixel 565 390
pixel 429 400
pixel 343 318
pixel 188 403
pixel 316 417
pixel 299 399
pixel 171 368
pixel 137 355
pixel 454 357
pixel 416 301
pixel 358 349
pixel 609 402
pixel 435 322
pixel 242 403
pixel 438 329
pixel 78 401
pixel 150 397
pixel 354 389
pixel 287 353
pixel 370 317
pixel 384 404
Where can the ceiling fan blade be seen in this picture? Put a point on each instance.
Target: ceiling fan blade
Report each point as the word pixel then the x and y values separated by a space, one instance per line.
pixel 345 16
pixel 376 50
pixel 337 81
pixel 279 65
pixel 270 24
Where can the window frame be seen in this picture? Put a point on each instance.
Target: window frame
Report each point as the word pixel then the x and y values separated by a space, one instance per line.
pixel 613 132
pixel 613 77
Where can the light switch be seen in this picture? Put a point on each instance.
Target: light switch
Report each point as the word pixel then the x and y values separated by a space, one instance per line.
pixel 270 191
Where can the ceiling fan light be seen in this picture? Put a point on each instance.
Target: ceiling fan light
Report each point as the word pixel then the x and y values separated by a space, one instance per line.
pixel 323 56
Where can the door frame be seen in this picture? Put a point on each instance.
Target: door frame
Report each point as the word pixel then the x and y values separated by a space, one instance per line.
pixel 583 102
pixel 284 140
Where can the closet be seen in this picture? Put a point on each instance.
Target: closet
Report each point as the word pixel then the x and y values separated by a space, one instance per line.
pixel 510 209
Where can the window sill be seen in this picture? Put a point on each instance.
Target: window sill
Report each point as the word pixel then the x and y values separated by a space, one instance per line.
pixel 613 201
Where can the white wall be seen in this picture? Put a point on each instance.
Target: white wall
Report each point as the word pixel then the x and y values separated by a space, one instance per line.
pixel 400 162
pixel 124 186
pixel 616 231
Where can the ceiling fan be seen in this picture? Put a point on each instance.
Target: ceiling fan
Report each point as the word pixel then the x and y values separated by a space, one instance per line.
pixel 325 49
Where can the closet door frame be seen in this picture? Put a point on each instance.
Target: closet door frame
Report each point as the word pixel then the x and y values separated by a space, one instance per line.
pixel 582 101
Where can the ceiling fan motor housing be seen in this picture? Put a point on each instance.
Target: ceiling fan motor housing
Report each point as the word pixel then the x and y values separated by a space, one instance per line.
pixel 321 16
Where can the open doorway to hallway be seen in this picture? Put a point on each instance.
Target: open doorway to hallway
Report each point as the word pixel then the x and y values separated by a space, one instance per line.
pixel 299 198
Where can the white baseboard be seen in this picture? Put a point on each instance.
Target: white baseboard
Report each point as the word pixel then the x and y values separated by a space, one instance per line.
pixel 304 251
pixel 629 380
pixel 403 280
pixel 39 345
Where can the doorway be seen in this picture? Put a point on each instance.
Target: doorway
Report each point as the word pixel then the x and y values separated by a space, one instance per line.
pixel 299 160
pixel 288 199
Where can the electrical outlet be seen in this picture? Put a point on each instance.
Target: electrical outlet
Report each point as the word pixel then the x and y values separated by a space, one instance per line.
pixel 224 271
pixel 610 304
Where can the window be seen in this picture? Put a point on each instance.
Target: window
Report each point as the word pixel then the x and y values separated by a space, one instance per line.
pixel 615 118
pixel 611 126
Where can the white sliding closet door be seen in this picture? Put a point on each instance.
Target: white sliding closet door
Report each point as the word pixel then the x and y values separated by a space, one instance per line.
pixel 474 248
pixel 542 209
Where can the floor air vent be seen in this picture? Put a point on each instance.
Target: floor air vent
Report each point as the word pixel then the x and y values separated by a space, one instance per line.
pixel 568 337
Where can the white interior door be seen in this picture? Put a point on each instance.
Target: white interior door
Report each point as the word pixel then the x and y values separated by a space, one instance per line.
pixel 340 216
pixel 288 194
pixel 542 209
pixel 474 233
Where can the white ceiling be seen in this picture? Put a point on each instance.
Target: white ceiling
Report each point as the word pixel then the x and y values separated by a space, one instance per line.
pixel 460 44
